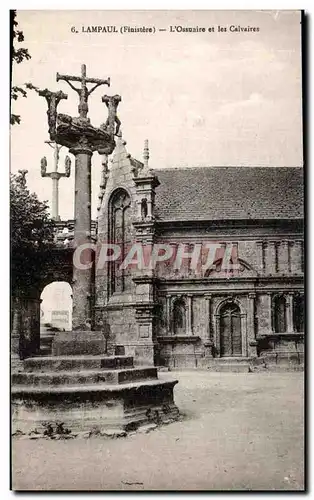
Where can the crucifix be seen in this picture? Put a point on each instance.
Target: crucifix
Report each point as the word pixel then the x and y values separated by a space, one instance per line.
pixel 83 92
pixel 82 139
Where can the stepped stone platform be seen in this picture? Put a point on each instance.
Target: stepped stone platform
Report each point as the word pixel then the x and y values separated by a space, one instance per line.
pixel 74 395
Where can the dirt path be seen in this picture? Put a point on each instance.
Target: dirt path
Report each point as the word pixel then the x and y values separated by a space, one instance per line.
pixel 241 432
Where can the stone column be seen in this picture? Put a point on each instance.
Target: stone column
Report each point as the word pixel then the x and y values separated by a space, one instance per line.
pixel 208 298
pixel 260 257
pixel 270 258
pixel 251 336
pixel 264 314
pixel 270 312
pixel 55 195
pixel 168 314
pixel 296 257
pixel 283 257
pixel 189 325
pixel 145 311
pixel 82 278
pixel 299 251
pixel 208 343
pixel 289 312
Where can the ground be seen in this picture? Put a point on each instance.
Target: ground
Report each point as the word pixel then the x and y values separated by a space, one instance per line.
pixel 240 431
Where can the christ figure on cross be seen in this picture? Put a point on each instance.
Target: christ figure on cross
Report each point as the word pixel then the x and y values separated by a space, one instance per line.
pixel 83 91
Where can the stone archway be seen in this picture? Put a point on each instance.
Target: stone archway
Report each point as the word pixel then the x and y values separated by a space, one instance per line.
pixel 56 298
pixel 25 307
pixel 56 313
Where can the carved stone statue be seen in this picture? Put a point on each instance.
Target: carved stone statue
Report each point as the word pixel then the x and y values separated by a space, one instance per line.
pixel 112 103
pixel 43 166
pixel 53 99
pixel 67 164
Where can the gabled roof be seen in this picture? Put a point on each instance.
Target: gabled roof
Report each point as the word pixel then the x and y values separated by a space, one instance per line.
pixel 221 193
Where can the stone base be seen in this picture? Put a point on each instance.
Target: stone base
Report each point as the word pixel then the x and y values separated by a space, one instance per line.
pixel 95 409
pixel 70 395
pixel 78 342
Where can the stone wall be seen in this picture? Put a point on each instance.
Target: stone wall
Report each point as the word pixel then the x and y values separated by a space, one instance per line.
pixel 270 258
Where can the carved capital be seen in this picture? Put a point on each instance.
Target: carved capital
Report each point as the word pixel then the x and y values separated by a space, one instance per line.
pixel 81 148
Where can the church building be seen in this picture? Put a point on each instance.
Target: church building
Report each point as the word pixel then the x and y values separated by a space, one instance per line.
pixel 246 308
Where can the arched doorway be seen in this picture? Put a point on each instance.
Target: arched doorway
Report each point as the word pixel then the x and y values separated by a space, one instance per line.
pixel 56 307
pixel 230 330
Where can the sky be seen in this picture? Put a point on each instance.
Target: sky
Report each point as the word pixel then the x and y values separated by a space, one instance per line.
pixel 201 99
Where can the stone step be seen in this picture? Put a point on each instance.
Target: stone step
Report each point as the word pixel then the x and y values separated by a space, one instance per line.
pixel 235 368
pixel 231 359
pixel 236 365
pixel 18 391
pixel 84 377
pixel 61 363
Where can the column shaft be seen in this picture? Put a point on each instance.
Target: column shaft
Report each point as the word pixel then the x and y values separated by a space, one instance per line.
pixel 189 316
pixel 82 235
pixel 168 314
pixel 208 317
pixel 251 340
pixel 260 257
pixel 283 257
pixel 270 258
pixel 289 312
pixel 55 198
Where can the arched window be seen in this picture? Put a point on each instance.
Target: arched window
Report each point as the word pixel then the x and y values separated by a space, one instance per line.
pixel 179 317
pixel 279 314
pixel 298 313
pixel 119 234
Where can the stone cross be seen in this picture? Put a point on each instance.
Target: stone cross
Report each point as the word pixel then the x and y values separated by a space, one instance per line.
pixel 82 139
pixel 83 92
pixel 55 176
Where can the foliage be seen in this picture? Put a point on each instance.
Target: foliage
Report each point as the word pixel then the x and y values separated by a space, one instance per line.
pixel 18 55
pixel 31 235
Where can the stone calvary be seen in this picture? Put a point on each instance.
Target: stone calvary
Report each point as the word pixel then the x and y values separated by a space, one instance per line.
pixel 88 383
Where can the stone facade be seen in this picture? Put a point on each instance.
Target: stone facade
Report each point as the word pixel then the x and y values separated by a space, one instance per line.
pixel 187 317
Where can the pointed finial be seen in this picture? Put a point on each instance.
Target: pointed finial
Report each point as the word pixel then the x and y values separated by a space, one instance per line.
pixel 146 154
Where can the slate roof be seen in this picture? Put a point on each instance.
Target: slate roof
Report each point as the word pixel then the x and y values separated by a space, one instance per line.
pixel 220 193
